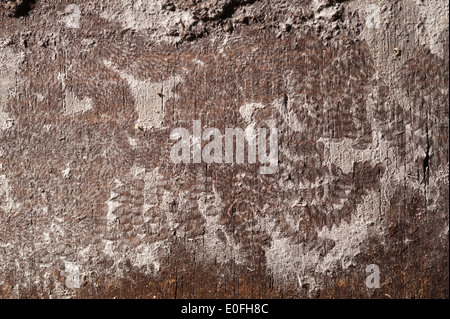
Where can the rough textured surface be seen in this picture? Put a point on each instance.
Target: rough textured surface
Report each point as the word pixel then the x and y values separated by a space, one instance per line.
pixel 91 205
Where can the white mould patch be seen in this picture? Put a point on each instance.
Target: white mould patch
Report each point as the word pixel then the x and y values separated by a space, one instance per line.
pixel 9 62
pixel 132 141
pixel 247 111
pixel 108 248
pixel 6 201
pixel 66 172
pixel 199 62
pixel 149 97
pixel 288 114
pixel 148 16
pixel 112 206
pixel 73 105
pixel 344 155
pixel 146 255
pixel 39 97
pixel 435 15
pixel 218 244
pixel 73 278
pixel 287 260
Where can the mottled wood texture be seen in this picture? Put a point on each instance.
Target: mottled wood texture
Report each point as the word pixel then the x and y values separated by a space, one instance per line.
pixel 91 205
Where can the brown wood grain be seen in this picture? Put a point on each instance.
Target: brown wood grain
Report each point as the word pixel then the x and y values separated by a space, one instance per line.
pixel 91 205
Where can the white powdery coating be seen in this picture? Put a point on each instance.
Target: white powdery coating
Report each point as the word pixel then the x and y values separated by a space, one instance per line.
pixel 112 206
pixel 145 256
pixel 6 201
pixel 288 114
pixel 108 249
pixel 248 110
pixel 428 20
pixel 143 15
pixel 5 121
pixel 72 275
pixel 9 62
pixel 344 155
pixel 218 249
pixel 111 218
pixel 66 172
pixel 148 254
pixel 74 105
pixel 217 243
pixel 287 260
pixel 149 97
pixel 72 20
pixel 435 15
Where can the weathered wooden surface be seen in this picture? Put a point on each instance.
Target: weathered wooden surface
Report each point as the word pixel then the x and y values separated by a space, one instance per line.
pixel 91 205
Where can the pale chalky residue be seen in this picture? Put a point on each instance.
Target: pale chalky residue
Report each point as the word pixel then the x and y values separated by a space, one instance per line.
pixel 148 16
pixel 435 14
pixel 73 105
pixel 9 62
pixel 287 260
pixel 150 97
